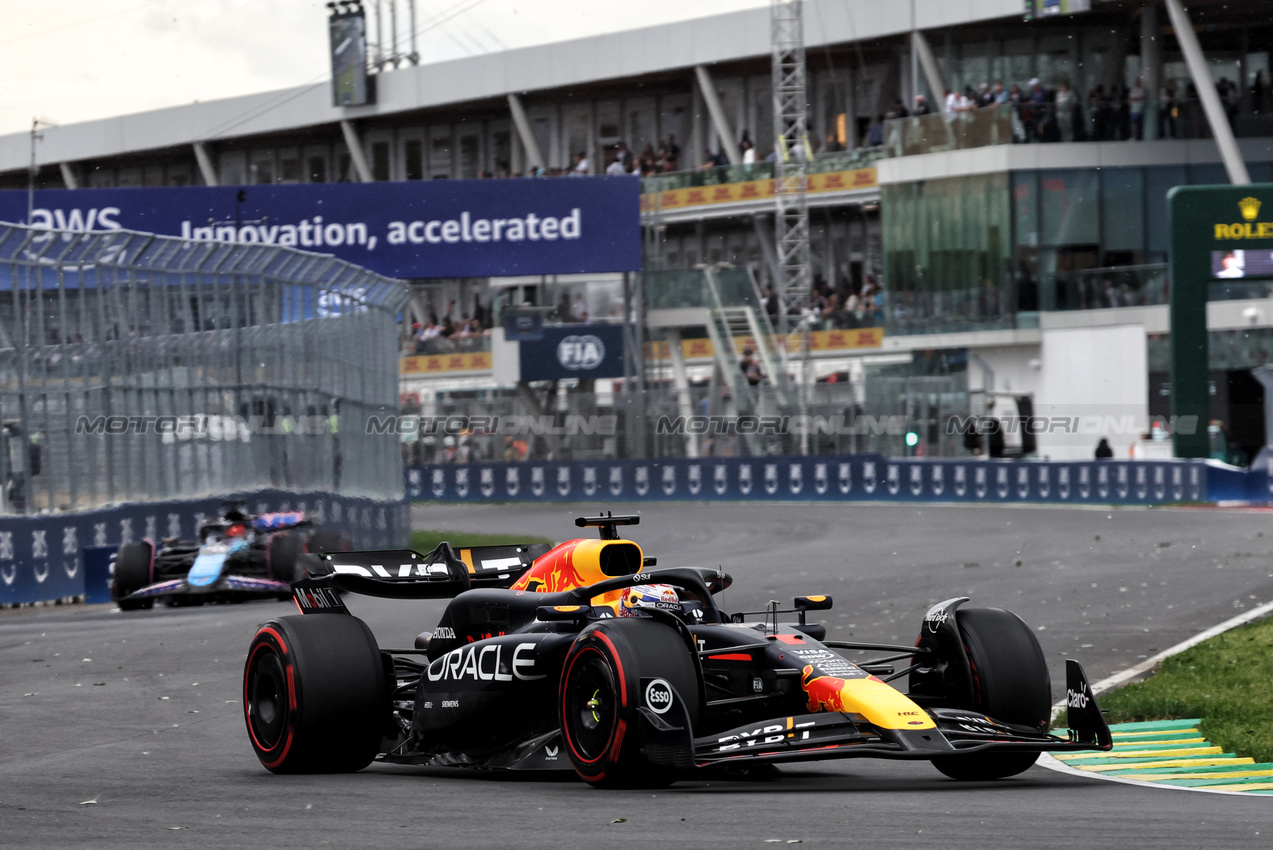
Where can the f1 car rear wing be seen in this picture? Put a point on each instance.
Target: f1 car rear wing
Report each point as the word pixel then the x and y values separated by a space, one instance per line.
pixel 441 574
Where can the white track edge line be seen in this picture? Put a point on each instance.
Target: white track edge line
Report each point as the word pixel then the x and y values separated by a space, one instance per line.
pixel 1136 670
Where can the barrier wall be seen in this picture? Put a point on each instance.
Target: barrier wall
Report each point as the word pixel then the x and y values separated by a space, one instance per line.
pixel 41 556
pixel 839 478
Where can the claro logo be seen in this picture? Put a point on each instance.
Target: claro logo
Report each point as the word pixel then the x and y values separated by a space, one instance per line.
pixel 658 696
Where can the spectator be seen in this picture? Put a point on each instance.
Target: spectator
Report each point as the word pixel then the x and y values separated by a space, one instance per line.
pixel 1103 450
pixel 921 106
pixel 751 368
pixel 898 110
pixel 671 153
pixel 1065 103
pixel 713 160
pixel 616 168
pixel 624 156
pixel 951 102
pixel 875 132
pixel 985 97
pixel 749 152
pixel 1168 110
pixel 1000 96
pixel 1136 110
pixel 581 167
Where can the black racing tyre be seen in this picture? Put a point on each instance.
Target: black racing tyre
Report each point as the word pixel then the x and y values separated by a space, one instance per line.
pixel 315 697
pixel 1010 683
pixel 600 692
pixel 134 564
pixel 326 542
pixel 281 552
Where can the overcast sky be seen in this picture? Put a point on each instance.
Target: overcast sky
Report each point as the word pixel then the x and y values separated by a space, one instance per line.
pixel 76 60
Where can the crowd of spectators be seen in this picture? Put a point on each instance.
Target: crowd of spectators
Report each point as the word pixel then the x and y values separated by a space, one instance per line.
pixel 841 307
pixel 445 334
pixel 1061 114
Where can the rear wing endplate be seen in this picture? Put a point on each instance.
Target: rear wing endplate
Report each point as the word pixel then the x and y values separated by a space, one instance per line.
pixel 441 574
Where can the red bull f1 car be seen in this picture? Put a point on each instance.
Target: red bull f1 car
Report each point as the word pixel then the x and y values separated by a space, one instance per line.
pixel 236 557
pixel 584 656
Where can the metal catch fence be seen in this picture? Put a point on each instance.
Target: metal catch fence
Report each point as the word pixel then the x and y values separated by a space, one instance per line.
pixel 135 367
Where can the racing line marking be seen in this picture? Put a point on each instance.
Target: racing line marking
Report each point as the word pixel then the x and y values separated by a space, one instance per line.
pixel 1168 753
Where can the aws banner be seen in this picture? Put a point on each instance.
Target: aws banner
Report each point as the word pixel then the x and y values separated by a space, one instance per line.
pixel 416 229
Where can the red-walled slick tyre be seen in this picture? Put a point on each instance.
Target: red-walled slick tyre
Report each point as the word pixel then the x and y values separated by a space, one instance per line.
pixel 315 697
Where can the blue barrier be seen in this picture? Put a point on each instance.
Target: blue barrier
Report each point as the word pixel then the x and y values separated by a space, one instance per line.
pixel 838 478
pixel 99 567
pixel 40 556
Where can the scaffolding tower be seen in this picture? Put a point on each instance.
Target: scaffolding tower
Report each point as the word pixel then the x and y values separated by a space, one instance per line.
pixel 791 171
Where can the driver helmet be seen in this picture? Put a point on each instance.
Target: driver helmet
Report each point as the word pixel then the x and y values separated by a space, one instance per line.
pixel 649 596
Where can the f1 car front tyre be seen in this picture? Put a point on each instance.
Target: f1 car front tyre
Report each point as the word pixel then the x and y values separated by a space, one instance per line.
pixel 315 696
pixel 1010 682
pixel 133 571
pixel 601 691
pixel 281 553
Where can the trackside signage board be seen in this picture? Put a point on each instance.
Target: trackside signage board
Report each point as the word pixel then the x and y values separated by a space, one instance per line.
pixel 438 228
pixel 573 351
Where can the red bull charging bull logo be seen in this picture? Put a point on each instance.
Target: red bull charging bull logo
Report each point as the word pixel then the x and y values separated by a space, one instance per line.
pixel 826 693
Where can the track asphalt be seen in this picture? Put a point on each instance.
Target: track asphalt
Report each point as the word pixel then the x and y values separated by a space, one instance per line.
pixel 126 730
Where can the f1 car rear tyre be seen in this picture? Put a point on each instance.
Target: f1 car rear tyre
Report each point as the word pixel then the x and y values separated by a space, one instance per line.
pixel 326 542
pixel 133 572
pixel 315 696
pixel 282 551
pixel 1010 682
pixel 601 691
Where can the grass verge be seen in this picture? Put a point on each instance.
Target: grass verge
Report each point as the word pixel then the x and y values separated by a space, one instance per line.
pixel 1224 680
pixel 424 541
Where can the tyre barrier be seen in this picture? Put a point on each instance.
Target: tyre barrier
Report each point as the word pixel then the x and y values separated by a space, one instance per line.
pixel 42 558
pixel 871 478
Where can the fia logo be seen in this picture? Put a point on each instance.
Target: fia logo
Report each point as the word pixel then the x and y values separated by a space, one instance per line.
pixel 582 352
pixel 771 478
pixel 892 479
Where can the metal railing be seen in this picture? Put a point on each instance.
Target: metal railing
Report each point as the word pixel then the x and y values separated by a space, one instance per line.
pixel 139 368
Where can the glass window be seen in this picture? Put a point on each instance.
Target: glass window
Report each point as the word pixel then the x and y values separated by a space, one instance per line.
pixel 380 161
pixel 1025 207
pixel 317 169
pixel 469 156
pixel 1069 209
pixel 413 154
pixel 1122 221
pixel 1159 180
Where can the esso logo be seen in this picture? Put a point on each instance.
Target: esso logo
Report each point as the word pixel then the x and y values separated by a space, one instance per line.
pixel 658 696
pixel 581 352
